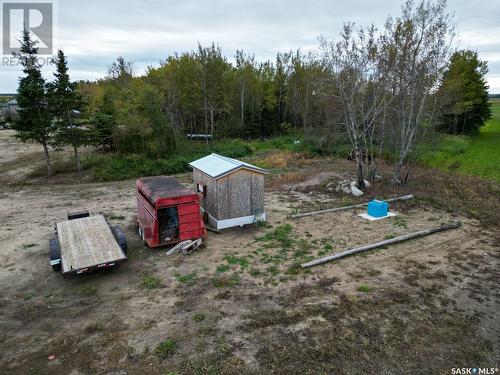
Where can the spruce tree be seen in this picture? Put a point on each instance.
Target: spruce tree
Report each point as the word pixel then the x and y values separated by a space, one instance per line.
pixel 464 94
pixel 64 102
pixel 33 121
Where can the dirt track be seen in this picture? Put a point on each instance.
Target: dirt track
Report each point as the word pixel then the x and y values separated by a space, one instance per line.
pixel 240 305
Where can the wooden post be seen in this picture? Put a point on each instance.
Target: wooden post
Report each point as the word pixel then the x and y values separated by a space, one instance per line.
pixel 296 216
pixel 375 245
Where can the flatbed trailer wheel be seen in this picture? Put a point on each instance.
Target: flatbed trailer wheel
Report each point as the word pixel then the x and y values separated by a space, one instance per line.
pixel 120 238
pixel 55 254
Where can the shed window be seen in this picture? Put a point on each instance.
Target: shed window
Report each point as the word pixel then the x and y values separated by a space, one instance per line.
pixel 201 189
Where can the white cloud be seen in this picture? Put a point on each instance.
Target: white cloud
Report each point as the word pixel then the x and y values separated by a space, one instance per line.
pixel 93 33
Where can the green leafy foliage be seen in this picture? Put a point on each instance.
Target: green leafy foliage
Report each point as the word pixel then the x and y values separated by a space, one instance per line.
pixel 464 93
pixel 33 120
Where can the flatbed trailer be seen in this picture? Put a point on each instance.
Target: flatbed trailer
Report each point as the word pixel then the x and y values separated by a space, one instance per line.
pixel 86 243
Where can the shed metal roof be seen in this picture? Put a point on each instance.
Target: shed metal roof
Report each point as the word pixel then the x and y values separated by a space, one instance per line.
pixel 217 166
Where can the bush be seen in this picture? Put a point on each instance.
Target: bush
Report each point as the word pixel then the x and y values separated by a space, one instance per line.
pixel 120 167
pixel 232 148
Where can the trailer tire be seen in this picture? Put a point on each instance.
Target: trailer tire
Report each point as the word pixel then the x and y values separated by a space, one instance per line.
pixel 120 238
pixel 55 254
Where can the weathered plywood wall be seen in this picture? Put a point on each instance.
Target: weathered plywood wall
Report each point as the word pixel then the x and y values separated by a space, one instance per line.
pixel 257 203
pixel 240 194
pixel 209 203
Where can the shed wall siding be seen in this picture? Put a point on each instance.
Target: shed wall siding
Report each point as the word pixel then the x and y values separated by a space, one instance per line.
pixel 240 194
pixel 209 203
pixel 257 203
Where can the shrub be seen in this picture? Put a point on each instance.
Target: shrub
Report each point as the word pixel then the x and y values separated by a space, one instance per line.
pixel 120 167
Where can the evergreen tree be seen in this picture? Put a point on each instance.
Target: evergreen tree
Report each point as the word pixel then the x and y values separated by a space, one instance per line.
pixel 64 101
pixel 33 122
pixel 464 94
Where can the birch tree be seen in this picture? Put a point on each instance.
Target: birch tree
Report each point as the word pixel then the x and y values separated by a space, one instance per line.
pixel 354 69
pixel 418 45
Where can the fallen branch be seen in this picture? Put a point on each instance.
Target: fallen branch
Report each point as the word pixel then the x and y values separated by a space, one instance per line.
pixel 375 245
pixel 296 216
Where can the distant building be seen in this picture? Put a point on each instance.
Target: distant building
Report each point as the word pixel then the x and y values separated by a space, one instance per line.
pixel 12 108
pixel 8 110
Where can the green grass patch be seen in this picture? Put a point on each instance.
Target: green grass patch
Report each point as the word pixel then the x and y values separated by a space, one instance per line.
pixel 400 222
pixel 234 260
pixel 199 317
pixel 166 348
pixel 364 288
pixel 226 281
pixel 188 278
pixel 273 270
pixel 476 155
pixel 281 235
pixel 254 272
pixel 222 268
pixel 150 281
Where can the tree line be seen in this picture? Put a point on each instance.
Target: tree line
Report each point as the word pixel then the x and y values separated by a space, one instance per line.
pixel 381 90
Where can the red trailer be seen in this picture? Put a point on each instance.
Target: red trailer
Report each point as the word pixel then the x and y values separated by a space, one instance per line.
pixel 168 213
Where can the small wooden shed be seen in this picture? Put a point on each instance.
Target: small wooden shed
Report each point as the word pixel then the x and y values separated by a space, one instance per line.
pixel 231 191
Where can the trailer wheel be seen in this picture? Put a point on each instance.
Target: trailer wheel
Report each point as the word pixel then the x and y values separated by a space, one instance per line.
pixel 120 238
pixel 55 254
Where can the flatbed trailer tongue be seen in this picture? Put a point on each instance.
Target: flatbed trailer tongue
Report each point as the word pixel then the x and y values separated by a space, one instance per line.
pixel 86 244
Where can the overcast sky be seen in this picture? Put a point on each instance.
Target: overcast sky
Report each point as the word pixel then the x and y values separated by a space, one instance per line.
pixel 94 32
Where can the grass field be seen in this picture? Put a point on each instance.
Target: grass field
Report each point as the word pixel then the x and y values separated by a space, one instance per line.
pixel 477 155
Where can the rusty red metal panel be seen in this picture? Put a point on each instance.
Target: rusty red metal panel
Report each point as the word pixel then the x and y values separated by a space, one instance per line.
pixel 154 193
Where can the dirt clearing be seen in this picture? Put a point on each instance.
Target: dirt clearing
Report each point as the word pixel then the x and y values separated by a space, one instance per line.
pixel 242 305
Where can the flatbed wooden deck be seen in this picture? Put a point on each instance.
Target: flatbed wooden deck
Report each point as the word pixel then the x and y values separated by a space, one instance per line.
pixel 87 242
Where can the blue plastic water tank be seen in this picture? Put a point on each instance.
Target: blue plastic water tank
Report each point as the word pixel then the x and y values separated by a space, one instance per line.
pixel 378 208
